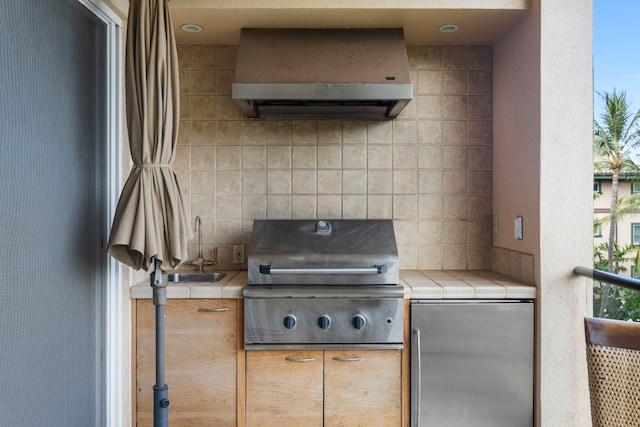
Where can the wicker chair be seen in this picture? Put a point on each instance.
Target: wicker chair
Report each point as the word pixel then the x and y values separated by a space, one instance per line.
pixel 613 360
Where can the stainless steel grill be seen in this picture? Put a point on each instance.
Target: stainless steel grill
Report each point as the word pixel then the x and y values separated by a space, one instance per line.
pixel 323 284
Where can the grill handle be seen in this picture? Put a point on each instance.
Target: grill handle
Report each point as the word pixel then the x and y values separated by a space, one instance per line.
pixel 376 269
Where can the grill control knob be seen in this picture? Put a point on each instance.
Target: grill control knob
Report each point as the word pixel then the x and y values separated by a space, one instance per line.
pixel 324 321
pixel 289 321
pixel 358 321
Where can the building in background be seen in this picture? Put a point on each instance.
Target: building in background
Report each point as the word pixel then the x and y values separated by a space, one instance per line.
pixel 628 232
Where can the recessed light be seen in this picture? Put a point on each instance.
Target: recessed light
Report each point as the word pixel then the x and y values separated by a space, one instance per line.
pixel 191 28
pixel 448 28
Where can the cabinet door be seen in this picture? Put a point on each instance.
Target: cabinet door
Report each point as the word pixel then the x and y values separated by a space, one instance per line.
pixel 362 388
pixel 200 362
pixel 283 388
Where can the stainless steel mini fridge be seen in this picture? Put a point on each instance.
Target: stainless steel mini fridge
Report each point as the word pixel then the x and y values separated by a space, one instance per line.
pixel 472 363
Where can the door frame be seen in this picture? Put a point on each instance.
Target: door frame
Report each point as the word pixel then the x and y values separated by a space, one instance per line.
pixel 109 345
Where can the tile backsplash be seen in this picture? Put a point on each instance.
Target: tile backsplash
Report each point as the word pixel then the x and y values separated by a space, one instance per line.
pixel 429 169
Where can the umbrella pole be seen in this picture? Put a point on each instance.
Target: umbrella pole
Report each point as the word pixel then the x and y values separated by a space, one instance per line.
pixel 160 390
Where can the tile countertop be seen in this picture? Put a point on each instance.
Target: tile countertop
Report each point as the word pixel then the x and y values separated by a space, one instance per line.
pixel 463 284
pixel 230 286
pixel 418 284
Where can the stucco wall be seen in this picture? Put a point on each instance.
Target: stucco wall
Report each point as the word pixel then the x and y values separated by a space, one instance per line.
pixel 543 171
pixel 565 205
pixel 516 158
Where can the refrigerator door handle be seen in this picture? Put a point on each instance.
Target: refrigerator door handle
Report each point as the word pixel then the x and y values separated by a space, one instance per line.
pixel 417 378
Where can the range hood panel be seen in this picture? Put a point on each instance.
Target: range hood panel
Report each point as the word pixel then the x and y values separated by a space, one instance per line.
pixel 302 73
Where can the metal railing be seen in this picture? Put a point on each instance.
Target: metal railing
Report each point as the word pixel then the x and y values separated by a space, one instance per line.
pixel 605 276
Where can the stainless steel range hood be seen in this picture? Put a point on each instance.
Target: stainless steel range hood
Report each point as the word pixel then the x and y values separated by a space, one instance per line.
pixel 322 73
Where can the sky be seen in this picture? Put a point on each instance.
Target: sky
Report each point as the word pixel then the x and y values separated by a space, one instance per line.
pixel 616 50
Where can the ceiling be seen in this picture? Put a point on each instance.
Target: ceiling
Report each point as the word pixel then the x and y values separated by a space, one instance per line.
pixel 480 21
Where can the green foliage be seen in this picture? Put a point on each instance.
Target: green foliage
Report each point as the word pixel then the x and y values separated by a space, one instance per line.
pixel 621 255
pixel 625 206
pixel 622 303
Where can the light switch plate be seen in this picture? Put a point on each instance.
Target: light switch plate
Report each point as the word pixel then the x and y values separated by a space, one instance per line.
pixel 238 254
pixel 517 228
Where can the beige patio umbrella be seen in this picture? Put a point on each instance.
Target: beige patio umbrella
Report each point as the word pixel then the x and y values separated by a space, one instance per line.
pixel 151 220
pixel 151 228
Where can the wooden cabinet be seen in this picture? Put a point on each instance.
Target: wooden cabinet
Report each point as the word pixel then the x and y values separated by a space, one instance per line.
pixel 214 382
pixel 362 388
pixel 201 344
pixel 323 388
pixel 284 388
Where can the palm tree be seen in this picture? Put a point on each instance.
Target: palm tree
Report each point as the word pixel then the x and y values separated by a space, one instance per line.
pixel 614 143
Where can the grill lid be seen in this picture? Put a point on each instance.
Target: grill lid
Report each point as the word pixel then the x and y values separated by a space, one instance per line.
pixel 318 252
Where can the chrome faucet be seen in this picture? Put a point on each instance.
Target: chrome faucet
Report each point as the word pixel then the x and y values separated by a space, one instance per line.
pixel 200 262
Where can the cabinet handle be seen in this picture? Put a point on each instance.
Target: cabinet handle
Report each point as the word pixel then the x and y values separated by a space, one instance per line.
pixel 299 359
pixel 347 359
pixel 212 310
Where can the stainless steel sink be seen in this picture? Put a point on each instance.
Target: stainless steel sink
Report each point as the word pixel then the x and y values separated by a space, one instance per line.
pixel 195 277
